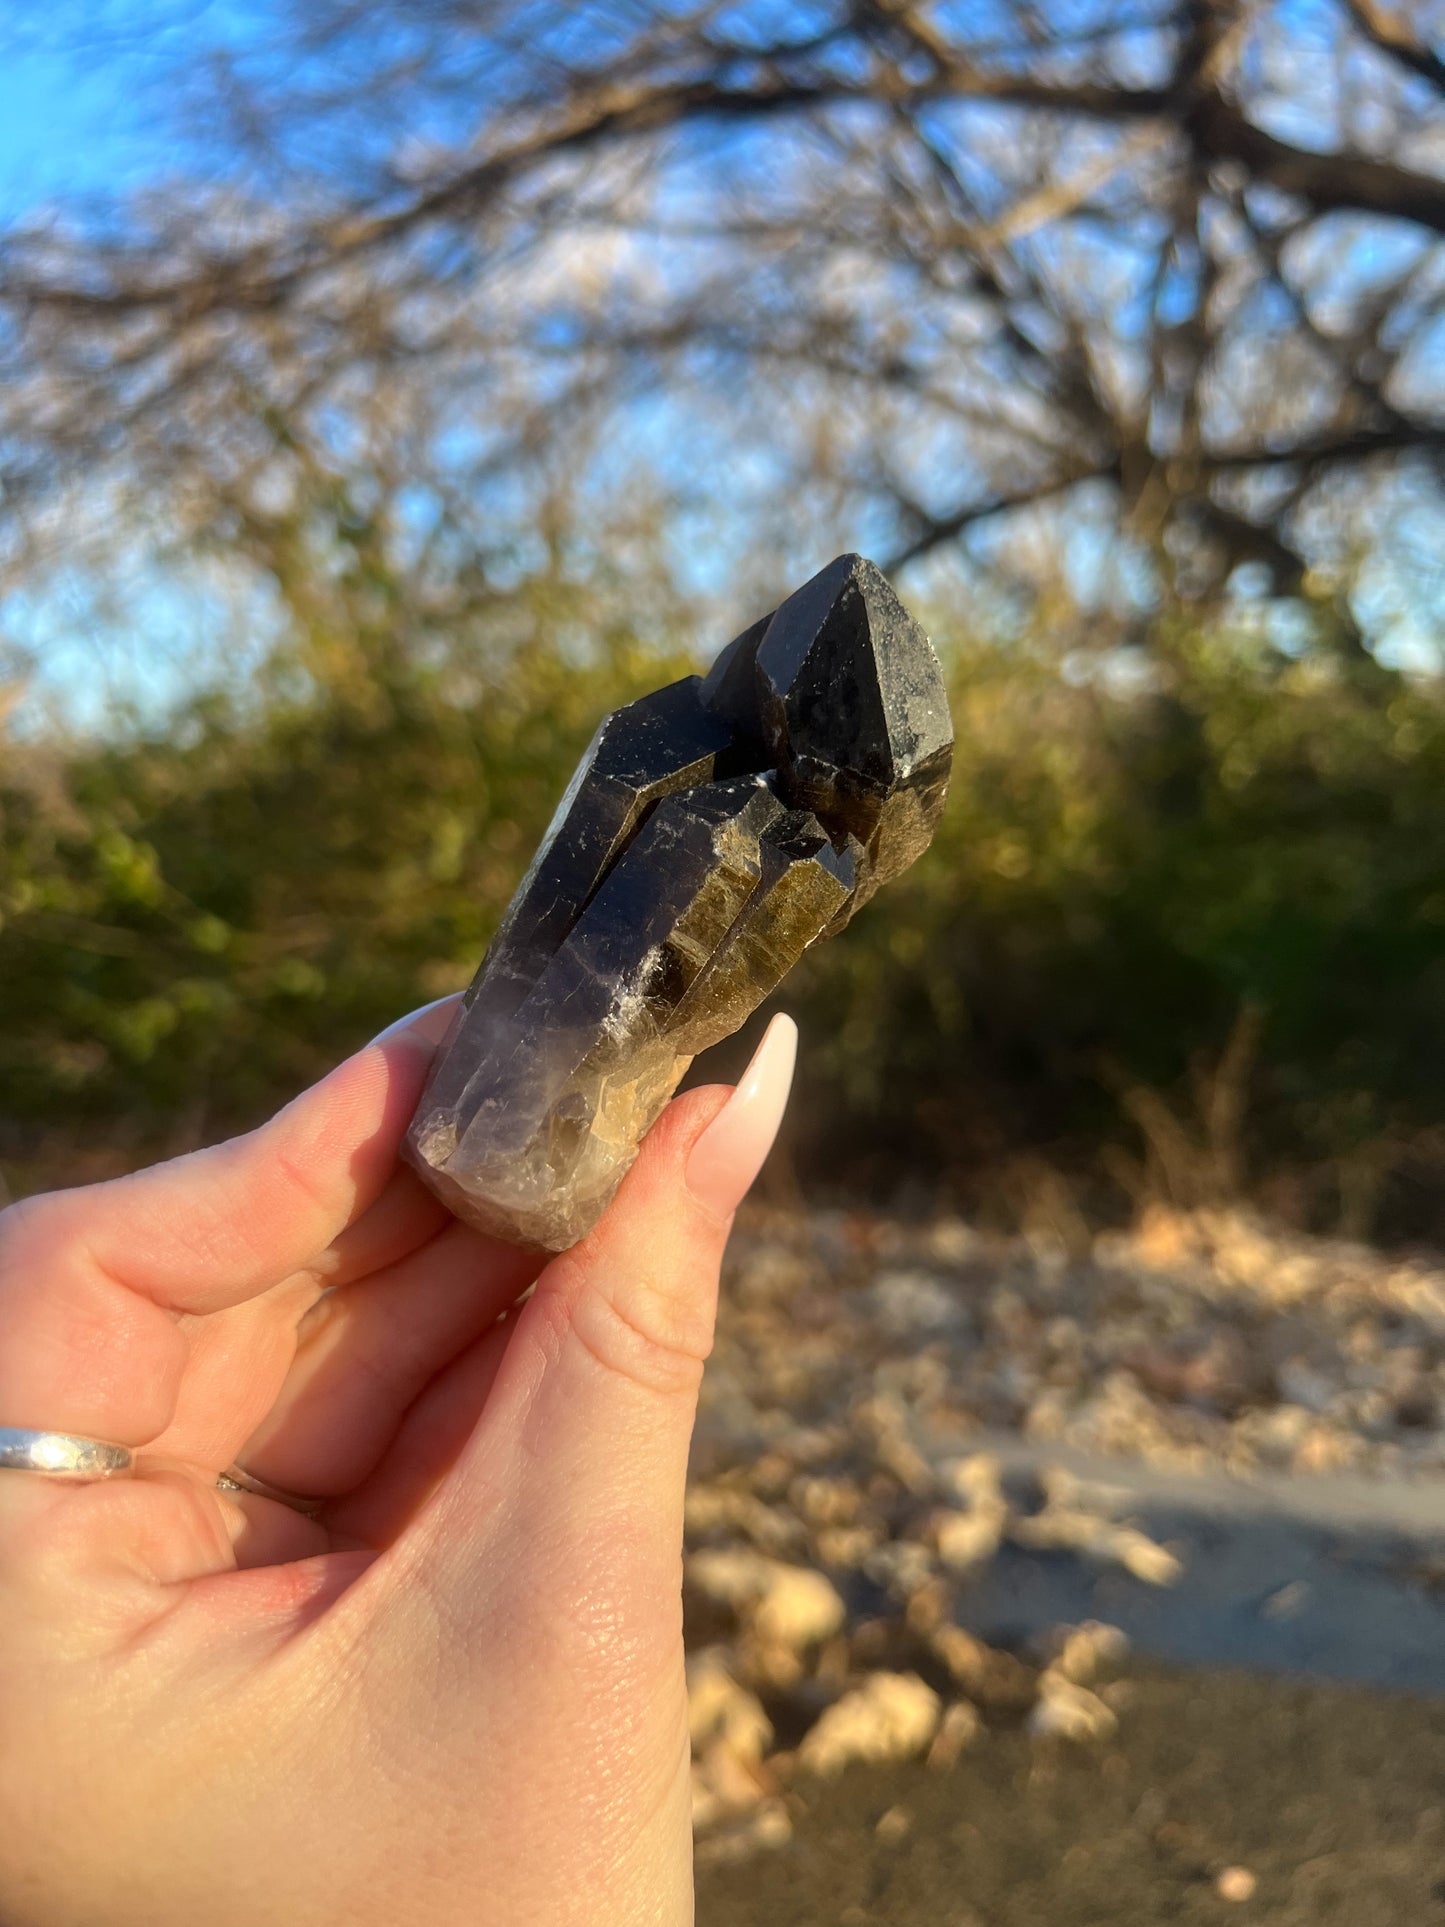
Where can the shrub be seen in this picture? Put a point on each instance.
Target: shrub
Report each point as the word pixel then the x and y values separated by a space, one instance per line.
pixel 1187 933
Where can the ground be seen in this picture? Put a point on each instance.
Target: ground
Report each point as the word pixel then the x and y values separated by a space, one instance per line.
pixel 924 1456
pixel 1332 1798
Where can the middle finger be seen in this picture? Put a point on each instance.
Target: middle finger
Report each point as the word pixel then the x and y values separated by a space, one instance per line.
pixel 366 1350
pixel 238 1358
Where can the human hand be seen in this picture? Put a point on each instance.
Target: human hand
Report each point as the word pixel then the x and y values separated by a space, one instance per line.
pixel 456 1694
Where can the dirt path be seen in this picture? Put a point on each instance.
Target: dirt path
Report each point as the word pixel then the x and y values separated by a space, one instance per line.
pixel 1332 1798
pixel 1335 1577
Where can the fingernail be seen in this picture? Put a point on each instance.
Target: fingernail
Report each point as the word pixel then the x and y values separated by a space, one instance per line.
pixel 429 1022
pixel 730 1152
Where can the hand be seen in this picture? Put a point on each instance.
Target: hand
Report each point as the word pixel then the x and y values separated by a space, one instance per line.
pixel 456 1695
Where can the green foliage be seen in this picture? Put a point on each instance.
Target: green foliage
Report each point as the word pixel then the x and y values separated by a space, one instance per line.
pixel 206 919
pixel 195 923
pixel 1132 895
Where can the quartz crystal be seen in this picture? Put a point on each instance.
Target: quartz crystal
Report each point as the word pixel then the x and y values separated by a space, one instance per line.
pixel 711 832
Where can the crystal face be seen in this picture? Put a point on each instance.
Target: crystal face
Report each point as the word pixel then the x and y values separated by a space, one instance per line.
pixel 711 832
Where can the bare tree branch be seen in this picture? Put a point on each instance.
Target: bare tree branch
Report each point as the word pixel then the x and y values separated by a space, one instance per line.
pixel 1329 183
pixel 1391 32
pixel 932 273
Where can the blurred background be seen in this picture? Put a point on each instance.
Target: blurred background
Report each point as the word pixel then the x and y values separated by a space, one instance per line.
pixel 388 389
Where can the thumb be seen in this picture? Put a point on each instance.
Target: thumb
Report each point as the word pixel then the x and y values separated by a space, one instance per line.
pixel 631 1310
pixel 554 1544
pixel 634 1305
pixel 593 1405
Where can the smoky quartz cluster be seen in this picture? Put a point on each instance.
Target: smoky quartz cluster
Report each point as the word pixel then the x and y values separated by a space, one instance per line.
pixel 712 831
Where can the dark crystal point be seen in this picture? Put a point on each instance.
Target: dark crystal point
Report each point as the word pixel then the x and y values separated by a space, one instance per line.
pixel 712 831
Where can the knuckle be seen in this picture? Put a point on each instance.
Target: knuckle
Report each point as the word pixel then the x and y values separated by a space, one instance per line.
pixel 644 1330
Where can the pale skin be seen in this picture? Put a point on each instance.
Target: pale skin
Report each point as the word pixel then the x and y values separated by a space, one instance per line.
pixel 457 1695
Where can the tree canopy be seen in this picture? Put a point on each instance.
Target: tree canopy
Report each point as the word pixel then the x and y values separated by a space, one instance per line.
pixel 1152 286
pixel 482 358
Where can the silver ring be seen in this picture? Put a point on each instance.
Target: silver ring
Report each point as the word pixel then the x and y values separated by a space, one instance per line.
pixel 236 1478
pixel 62 1455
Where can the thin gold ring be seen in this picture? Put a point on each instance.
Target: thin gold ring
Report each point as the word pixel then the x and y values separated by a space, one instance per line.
pixel 236 1478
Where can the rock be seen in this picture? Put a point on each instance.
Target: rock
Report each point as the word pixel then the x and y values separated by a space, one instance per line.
pixel 1287 1602
pixel 1081 1653
pixel 723 1783
pixel 719 1710
pixel 928 1607
pixel 891 1716
pixel 960 1727
pixel 791 1607
pixel 730 1735
pixel 733 1576
pixel 1065 1711
pixel 965 1539
pixel 963 1653
pixel 713 1508
pixel 1065 1491
pixel 900 1565
pixel 707 1808
pixel 1138 1554
pixel 1235 1884
pixel 976 1481
pixel 826 1502
pixel 1060 1528
pixel 989 1677
pixel 768 1828
pixel 712 831
pixel 772 1275
pixel 883 1418
pixel 909 1303
pixel 1224 1372
pixel 848 1545
pixel 893 1827
pixel 969 1535
pixel 799 1608
pixel 834 1445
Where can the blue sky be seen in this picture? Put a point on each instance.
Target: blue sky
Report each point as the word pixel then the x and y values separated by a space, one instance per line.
pixel 78 118
pixel 80 115
pixel 71 120
pixel 82 94
pixel 66 127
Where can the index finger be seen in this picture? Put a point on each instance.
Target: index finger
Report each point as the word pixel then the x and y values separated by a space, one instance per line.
pixel 93 1281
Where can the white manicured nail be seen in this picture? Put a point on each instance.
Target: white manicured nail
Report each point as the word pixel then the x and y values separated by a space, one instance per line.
pixel 430 1022
pixel 730 1153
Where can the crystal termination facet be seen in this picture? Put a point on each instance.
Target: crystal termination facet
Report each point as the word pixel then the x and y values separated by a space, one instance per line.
pixel 711 832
